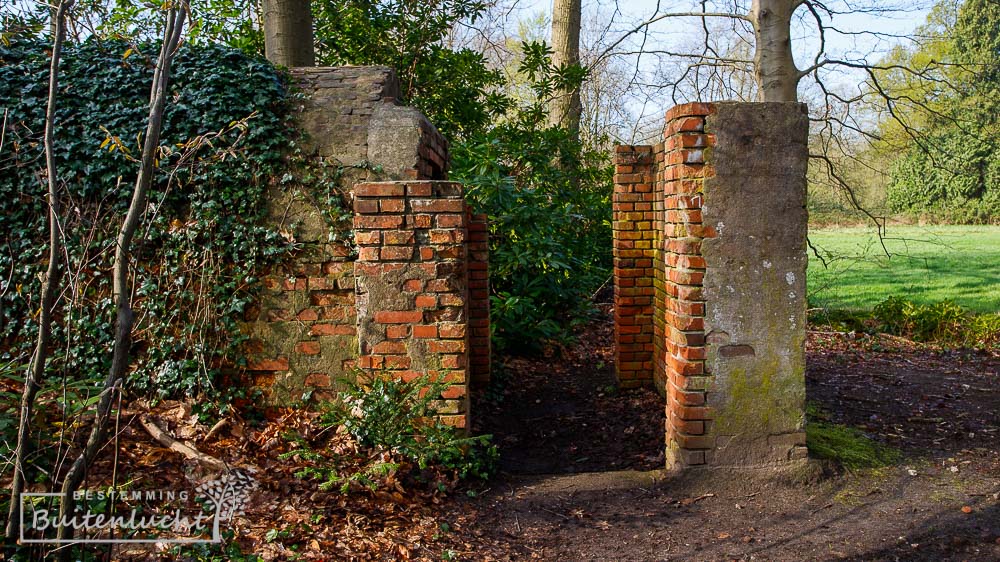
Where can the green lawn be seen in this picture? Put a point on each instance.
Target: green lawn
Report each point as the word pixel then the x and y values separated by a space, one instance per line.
pixel 925 265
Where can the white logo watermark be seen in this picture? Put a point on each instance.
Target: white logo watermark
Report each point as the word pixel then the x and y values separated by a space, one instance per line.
pixel 134 519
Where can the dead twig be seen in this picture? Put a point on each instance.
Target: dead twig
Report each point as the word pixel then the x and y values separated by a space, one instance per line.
pixel 556 514
pixel 689 501
pixel 603 285
pixel 189 452
pixel 216 429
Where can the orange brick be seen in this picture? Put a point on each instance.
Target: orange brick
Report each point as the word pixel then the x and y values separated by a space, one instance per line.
pixel 308 347
pixel 389 347
pixel 332 330
pixel 446 346
pixel 321 380
pixel 452 331
pixel 279 364
pixel 397 331
pixel 426 301
pixel 382 189
pixel 308 315
pixel 398 316
pixel 424 332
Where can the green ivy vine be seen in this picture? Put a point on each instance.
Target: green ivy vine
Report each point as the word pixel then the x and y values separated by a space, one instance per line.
pixel 204 239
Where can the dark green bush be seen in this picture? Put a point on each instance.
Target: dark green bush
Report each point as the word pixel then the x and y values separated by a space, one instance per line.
pixel 387 414
pixel 548 199
pixel 892 314
pixel 984 330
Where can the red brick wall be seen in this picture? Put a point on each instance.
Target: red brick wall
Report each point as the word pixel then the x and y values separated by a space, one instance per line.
pixel 634 240
pixel 659 308
pixel 433 153
pixel 659 277
pixel 479 300
pixel 725 313
pixel 413 285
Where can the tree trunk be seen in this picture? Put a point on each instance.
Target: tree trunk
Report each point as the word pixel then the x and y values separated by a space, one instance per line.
pixel 288 32
pixel 122 288
pixel 50 283
pixel 774 67
pixel 565 109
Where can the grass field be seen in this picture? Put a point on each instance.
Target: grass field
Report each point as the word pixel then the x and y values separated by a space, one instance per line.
pixel 925 265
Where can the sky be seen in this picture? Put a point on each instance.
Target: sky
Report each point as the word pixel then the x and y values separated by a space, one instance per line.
pixel 868 36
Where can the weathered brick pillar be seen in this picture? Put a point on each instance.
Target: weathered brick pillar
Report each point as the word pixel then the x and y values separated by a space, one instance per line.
pixel 735 226
pixel 413 285
pixel 479 300
pixel 634 240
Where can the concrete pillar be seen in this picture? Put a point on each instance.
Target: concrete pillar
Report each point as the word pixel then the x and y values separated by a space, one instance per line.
pixel 735 255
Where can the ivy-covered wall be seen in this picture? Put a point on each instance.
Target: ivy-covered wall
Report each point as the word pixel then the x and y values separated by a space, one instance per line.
pixel 204 238
pixel 245 263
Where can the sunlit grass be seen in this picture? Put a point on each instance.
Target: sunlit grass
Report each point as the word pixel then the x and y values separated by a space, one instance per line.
pixel 925 265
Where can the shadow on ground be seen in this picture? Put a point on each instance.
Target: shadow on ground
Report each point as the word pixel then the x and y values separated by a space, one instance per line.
pixel 940 409
pixel 561 412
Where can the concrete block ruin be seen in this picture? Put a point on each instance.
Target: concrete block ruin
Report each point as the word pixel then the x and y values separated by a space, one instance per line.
pixel 710 265
pixel 394 278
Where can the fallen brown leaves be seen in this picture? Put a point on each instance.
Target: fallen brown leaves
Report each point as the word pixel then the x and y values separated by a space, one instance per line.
pixel 289 516
pixel 392 518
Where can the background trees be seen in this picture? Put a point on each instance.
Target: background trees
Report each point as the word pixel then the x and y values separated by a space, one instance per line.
pixel 950 164
pixel 565 109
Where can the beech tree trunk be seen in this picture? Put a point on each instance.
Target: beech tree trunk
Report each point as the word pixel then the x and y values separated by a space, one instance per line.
pixel 565 109
pixel 288 32
pixel 774 68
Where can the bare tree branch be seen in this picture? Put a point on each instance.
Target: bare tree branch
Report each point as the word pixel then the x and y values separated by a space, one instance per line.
pixel 50 283
pixel 173 32
pixel 644 25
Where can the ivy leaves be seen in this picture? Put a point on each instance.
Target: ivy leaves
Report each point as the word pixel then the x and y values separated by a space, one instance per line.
pixel 204 234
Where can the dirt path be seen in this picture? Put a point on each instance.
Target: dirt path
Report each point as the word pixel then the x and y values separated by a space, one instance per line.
pixel 562 413
pixel 941 502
